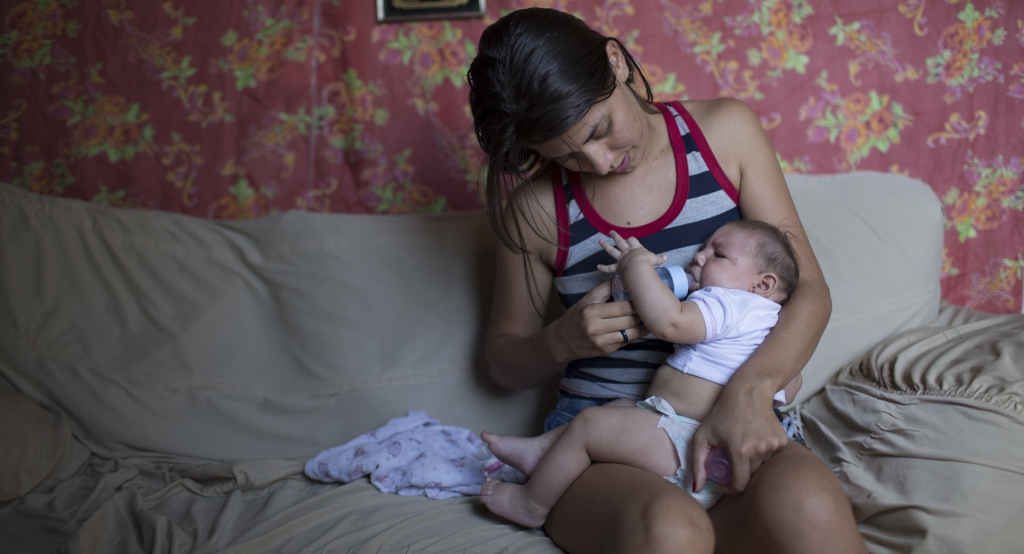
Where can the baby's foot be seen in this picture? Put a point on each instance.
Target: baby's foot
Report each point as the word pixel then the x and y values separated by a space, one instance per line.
pixel 510 502
pixel 522 453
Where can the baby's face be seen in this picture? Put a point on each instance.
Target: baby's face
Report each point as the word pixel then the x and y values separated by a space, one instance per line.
pixel 726 260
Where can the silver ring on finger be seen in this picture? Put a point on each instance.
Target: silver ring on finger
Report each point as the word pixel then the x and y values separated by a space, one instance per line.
pixel 625 339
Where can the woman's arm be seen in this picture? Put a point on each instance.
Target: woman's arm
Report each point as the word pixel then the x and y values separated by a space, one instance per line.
pixel 522 352
pixel 742 420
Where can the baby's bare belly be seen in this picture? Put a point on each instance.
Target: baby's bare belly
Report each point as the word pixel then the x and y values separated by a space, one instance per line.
pixel 690 396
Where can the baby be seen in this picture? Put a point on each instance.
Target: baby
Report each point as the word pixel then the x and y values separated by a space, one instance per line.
pixel 742 275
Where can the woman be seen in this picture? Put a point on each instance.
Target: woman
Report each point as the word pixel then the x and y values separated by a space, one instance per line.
pixel 575 152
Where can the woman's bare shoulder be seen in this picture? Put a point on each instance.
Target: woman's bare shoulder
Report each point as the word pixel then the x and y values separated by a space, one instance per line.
pixel 532 205
pixel 733 131
pixel 722 115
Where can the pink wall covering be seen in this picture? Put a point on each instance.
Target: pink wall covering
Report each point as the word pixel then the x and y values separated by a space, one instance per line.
pixel 236 109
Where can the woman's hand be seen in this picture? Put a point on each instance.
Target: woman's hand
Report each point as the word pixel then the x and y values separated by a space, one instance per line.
pixel 594 327
pixel 522 348
pixel 745 425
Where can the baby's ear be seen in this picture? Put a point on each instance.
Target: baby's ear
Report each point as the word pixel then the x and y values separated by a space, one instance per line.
pixel 767 286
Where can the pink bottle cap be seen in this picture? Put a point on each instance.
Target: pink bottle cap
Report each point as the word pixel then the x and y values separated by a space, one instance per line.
pixel 718 466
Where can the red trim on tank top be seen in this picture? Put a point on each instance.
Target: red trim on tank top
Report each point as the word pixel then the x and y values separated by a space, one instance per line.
pixel 709 156
pixel 562 218
pixel 678 201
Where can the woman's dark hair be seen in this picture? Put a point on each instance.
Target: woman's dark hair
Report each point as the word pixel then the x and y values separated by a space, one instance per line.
pixel 537 73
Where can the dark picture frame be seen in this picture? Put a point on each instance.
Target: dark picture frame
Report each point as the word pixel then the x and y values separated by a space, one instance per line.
pixel 389 11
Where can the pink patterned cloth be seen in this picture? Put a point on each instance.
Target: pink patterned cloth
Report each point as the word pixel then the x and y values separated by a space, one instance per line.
pixel 414 455
pixel 245 108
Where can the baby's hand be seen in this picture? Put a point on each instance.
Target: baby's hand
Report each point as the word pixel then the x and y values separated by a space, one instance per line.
pixel 626 252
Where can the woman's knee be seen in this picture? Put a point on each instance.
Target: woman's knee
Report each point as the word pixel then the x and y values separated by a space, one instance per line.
pixel 808 477
pixel 669 525
pixel 616 508
pixel 816 499
pixel 794 504
pixel 803 492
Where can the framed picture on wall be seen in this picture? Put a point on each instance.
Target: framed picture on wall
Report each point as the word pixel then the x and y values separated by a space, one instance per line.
pixel 407 10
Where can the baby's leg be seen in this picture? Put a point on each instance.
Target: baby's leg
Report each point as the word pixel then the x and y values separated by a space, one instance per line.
pixel 522 453
pixel 617 433
pixel 625 435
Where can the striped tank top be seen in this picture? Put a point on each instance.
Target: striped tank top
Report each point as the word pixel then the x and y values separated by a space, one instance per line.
pixel 704 200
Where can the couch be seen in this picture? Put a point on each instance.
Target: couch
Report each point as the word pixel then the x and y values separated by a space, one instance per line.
pixel 164 378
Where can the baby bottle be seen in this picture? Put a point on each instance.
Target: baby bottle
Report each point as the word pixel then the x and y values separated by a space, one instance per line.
pixel 718 466
pixel 674 276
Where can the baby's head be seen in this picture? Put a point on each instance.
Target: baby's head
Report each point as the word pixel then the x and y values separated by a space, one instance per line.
pixel 748 255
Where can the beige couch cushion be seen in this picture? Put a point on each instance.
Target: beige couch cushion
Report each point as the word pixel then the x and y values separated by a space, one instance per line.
pixel 878 238
pixel 275 338
pixel 925 434
pixel 280 337
pixel 37 447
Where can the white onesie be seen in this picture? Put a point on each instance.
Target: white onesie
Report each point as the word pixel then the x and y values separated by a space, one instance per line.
pixel 737 322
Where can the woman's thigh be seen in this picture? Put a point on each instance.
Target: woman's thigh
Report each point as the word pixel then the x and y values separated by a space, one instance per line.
pixel 793 504
pixel 617 508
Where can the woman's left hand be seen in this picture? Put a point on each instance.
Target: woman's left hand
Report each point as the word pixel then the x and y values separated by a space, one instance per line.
pixel 744 425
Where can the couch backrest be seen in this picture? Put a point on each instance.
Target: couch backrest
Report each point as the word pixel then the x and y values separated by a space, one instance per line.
pixel 878 238
pixel 280 337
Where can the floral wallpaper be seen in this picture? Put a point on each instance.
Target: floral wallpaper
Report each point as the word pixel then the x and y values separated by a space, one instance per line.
pixel 243 108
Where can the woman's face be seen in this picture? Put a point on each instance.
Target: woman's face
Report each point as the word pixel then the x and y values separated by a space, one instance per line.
pixel 612 136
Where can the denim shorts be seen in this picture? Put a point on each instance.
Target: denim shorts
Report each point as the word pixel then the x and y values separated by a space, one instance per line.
pixel 570 404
